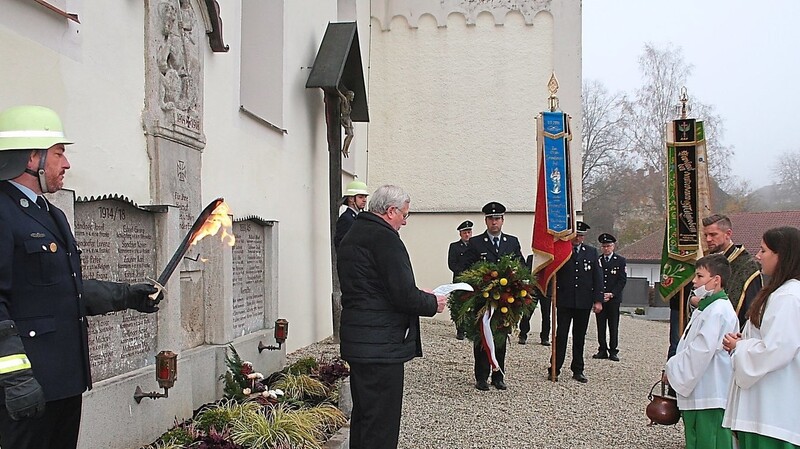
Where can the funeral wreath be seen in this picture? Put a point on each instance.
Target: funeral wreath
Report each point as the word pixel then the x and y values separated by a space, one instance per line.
pixel 503 292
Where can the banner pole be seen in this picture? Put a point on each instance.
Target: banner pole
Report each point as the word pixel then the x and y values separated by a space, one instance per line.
pixel 553 342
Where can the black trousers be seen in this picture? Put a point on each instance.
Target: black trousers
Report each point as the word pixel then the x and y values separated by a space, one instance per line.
pixel 525 321
pixel 377 391
pixel 57 429
pixel 608 317
pixel 482 367
pixel 579 319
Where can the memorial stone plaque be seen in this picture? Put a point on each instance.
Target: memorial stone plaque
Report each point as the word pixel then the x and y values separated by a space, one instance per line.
pixel 248 277
pixel 118 244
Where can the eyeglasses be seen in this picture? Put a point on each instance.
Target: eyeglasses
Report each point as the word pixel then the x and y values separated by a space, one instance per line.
pixel 405 215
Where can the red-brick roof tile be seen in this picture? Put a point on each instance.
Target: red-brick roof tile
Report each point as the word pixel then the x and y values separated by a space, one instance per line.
pixel 748 227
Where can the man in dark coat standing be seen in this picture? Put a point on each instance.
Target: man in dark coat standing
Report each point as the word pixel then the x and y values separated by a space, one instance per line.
pixel 44 348
pixel 381 306
pixel 491 245
pixel 579 291
pixel 456 254
pixel 614 279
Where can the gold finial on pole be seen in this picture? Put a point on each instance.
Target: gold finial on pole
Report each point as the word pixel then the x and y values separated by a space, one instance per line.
pixel 552 86
pixel 684 107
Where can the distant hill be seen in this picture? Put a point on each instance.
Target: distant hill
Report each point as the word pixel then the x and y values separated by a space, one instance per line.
pixel 776 197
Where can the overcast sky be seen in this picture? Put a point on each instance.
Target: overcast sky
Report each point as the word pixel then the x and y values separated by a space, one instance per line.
pixel 746 58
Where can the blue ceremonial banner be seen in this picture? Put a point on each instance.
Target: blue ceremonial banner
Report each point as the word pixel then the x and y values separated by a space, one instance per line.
pixel 557 173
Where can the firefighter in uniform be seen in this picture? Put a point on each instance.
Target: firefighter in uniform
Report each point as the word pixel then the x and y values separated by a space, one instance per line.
pixel 579 291
pixel 491 245
pixel 354 200
pixel 44 352
pixel 614 279
pixel 456 254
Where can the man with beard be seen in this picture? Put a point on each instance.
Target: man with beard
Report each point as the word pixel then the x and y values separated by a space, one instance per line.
pixel 44 300
pixel 744 283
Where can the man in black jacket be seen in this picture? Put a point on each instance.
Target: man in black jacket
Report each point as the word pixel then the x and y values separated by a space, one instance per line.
pixel 381 306
pixel 490 245
pixel 614 280
pixel 579 291
pixel 456 254
pixel 44 348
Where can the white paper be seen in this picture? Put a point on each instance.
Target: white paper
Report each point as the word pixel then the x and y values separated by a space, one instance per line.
pixel 446 289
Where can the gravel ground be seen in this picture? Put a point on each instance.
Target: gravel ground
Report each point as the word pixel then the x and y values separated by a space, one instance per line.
pixel 442 408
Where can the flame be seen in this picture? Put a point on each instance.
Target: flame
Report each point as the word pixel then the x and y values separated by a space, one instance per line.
pixel 219 219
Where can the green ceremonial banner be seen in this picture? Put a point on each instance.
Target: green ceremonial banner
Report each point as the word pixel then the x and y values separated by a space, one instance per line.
pixel 686 204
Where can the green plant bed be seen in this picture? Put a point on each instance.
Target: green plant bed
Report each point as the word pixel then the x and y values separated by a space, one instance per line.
pixel 293 408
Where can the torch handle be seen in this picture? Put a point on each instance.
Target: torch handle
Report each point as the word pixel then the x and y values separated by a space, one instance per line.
pixel 184 246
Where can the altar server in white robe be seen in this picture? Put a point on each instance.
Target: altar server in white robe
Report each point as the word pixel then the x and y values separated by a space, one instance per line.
pixel 764 400
pixel 700 371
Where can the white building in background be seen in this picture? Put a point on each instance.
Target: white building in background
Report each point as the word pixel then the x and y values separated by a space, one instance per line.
pixel 177 102
pixel 455 87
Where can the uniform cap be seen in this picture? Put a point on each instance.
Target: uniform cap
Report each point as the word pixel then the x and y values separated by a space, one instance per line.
pixel 494 209
pixel 464 226
pixel 582 228
pixel 606 238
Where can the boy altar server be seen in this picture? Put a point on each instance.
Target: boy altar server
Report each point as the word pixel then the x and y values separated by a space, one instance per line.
pixel 701 370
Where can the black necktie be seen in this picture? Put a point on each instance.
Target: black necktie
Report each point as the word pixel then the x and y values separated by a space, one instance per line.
pixel 42 203
pixel 496 241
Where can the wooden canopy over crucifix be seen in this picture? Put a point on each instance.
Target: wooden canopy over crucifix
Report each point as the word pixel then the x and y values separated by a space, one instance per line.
pixel 338 72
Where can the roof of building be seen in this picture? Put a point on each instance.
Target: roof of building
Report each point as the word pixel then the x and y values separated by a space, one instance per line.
pixel 748 227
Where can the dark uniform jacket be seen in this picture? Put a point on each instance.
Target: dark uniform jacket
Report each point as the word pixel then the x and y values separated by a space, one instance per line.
pixel 614 276
pixel 381 303
pixel 745 281
pixel 41 290
pixel 580 281
pixel 343 224
pixel 481 248
pixel 456 257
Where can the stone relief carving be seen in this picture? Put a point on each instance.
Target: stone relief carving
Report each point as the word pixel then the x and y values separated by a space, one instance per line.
pixel 175 96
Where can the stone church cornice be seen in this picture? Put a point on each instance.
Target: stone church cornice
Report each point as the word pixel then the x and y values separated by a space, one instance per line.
pixel 412 10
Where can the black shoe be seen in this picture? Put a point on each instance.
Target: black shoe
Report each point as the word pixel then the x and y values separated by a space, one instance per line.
pixel 499 384
pixel 482 385
pixel 545 343
pixel 613 357
pixel 580 378
pixel 523 339
pixel 460 335
pixel 600 355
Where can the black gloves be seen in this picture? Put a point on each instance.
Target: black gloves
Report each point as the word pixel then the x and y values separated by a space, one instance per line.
pixel 24 395
pixel 104 297
pixel 138 298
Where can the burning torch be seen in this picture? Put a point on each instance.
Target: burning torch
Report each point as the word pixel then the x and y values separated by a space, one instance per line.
pixel 214 217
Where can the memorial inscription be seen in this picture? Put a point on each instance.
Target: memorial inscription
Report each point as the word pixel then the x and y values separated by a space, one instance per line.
pixel 117 240
pixel 248 277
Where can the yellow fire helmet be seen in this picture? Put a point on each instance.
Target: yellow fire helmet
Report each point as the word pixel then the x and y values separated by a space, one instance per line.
pixel 356 188
pixel 26 128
